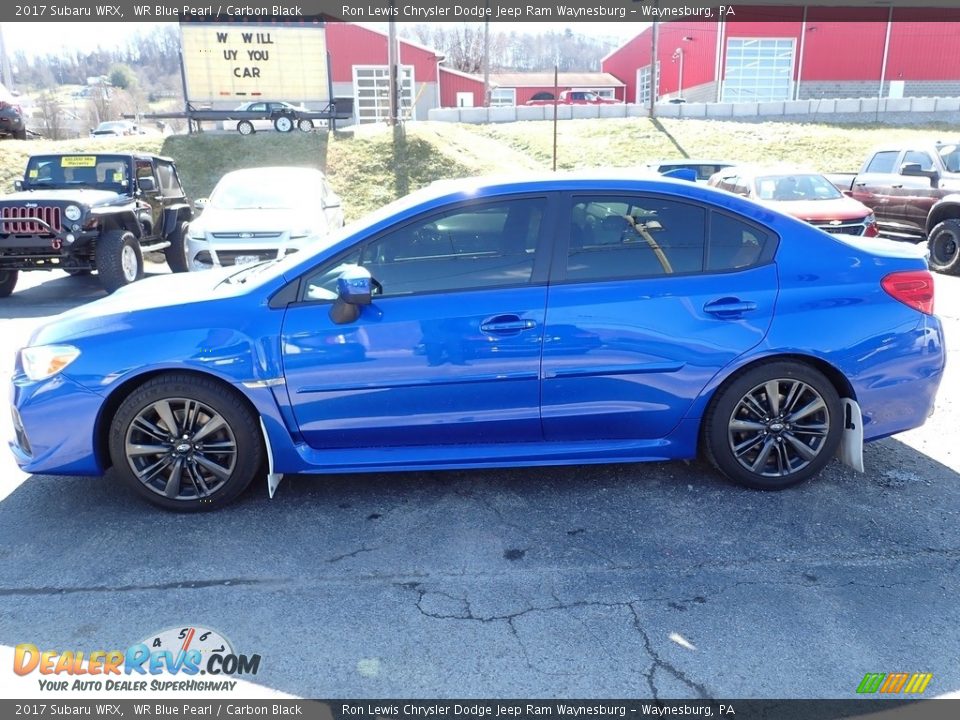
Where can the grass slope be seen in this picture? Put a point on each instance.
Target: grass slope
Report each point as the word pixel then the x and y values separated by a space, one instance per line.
pixel 370 166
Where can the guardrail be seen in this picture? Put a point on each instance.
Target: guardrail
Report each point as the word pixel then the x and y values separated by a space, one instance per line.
pixel 872 107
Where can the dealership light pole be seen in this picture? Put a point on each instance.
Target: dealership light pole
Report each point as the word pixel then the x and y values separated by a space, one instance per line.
pixel 678 55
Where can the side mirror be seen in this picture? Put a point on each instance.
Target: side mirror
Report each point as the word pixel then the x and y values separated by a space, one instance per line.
pixel 147 185
pixel 913 170
pixel 354 290
pixel 18 185
pixel 200 203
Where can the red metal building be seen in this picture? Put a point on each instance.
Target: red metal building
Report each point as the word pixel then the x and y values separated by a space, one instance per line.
pixel 787 53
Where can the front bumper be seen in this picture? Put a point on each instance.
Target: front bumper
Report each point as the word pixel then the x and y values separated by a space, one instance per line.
pixel 54 421
pixel 213 252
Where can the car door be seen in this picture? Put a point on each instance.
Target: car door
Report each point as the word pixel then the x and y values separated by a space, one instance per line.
pixel 874 186
pixel 263 123
pixel 448 352
pixel 653 296
pixel 918 194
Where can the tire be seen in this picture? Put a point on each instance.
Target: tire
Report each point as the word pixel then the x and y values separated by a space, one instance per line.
pixel 305 125
pixel 283 123
pixel 119 259
pixel 176 254
pixel 204 462
pixel 20 134
pixel 944 246
pixel 245 127
pixel 769 446
pixel 8 281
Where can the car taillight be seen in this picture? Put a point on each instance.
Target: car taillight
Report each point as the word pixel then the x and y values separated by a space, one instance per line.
pixel 911 287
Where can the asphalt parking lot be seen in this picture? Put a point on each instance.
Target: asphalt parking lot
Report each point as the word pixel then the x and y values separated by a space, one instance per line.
pixel 602 581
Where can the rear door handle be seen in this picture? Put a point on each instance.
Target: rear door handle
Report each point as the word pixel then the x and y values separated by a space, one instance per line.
pixel 729 307
pixel 505 324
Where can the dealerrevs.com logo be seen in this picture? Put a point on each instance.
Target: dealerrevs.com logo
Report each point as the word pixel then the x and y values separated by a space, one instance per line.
pixel 170 660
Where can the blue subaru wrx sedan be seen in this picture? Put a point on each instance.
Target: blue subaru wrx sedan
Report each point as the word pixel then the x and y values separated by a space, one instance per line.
pixel 562 320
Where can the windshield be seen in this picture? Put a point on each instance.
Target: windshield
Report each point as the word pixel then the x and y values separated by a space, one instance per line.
pixel 950 154
pixel 796 187
pixel 262 191
pixel 106 172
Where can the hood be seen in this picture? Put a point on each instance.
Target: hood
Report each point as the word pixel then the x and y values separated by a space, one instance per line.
pixel 216 220
pixel 162 291
pixel 79 196
pixel 842 208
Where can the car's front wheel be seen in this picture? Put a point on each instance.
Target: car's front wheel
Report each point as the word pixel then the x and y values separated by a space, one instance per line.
pixel 8 281
pixel 185 444
pixel 119 259
pixel 774 426
pixel 944 246
pixel 176 253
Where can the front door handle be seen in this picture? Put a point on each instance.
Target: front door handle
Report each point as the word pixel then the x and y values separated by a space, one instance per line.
pixel 504 324
pixel 729 307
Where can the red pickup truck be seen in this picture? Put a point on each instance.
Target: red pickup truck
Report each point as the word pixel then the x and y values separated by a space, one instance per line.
pixel 914 191
pixel 573 97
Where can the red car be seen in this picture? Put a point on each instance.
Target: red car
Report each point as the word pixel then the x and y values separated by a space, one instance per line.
pixel 805 195
pixel 572 97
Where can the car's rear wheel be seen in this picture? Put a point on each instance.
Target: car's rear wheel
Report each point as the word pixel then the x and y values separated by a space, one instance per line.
pixel 944 246
pixel 119 259
pixel 245 127
pixel 184 443
pixel 283 123
pixel 305 125
pixel 774 426
pixel 176 253
pixel 8 281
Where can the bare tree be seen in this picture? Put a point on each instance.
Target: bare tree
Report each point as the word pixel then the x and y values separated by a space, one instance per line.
pixel 52 113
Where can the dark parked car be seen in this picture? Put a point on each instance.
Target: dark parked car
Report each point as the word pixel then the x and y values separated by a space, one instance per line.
pixel 11 118
pixel 93 212
pixel 581 319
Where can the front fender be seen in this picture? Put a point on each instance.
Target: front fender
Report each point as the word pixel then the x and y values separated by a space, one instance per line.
pixel 946 207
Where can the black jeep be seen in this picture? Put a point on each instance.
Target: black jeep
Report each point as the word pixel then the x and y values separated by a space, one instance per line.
pixel 84 212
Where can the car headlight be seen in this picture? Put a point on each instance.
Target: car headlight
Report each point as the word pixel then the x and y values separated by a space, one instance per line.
pixel 870 219
pixel 72 212
pixel 302 232
pixel 45 361
pixel 195 234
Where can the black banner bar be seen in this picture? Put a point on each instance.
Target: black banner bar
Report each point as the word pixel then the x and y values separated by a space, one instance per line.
pixel 865 709
pixel 417 11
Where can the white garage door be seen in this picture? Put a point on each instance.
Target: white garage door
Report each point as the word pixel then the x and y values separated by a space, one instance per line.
pixel 371 85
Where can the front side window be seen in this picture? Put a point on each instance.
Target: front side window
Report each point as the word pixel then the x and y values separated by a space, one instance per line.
pixel 615 238
pixel 483 245
pixel 921 158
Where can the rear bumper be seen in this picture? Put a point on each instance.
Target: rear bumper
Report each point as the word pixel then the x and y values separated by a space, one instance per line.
pixel 900 394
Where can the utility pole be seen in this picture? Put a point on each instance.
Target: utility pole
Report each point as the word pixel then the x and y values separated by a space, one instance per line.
pixel 653 69
pixel 392 69
pixel 6 77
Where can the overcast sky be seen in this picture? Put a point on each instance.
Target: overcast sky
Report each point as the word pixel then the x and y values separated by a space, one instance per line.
pixel 40 38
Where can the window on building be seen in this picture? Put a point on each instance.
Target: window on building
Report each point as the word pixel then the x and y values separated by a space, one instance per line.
pixel 758 69
pixel 500 97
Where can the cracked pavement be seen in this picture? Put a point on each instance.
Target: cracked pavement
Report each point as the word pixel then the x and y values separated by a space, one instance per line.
pixel 656 580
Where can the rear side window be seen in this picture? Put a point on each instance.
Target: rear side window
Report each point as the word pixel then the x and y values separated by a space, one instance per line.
pixel 734 244
pixel 615 238
pixel 883 162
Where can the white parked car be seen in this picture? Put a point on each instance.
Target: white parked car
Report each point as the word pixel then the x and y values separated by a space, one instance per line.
pixel 260 214
pixel 115 128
